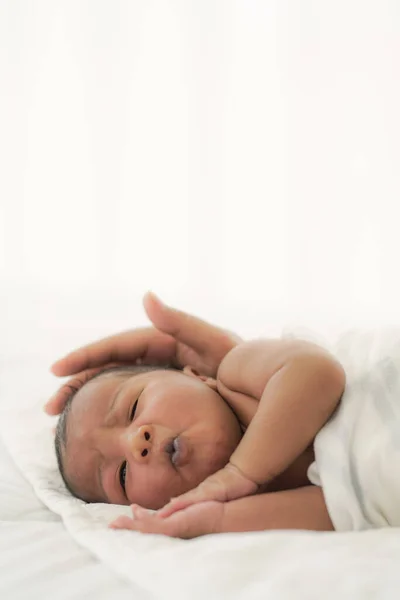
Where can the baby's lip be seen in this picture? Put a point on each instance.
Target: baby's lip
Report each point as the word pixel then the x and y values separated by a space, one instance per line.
pixel 182 454
pixel 177 449
pixel 168 445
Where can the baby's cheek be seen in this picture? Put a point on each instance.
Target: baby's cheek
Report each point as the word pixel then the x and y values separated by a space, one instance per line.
pixel 154 492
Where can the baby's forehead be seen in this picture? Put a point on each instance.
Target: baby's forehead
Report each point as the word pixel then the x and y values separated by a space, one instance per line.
pixel 99 389
pixel 91 404
pixel 105 378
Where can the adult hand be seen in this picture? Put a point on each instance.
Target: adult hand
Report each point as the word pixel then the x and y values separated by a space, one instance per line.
pixel 176 338
pixel 226 484
pixel 199 519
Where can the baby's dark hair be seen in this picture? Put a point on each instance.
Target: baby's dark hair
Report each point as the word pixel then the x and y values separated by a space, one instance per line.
pixel 60 440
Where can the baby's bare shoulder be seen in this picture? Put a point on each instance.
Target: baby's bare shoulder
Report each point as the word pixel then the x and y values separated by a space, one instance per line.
pixel 248 367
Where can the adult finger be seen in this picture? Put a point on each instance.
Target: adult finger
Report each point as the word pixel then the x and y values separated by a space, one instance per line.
pixel 127 346
pixel 56 403
pixel 188 329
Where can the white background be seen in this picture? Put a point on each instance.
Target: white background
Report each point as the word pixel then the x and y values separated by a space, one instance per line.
pixel 240 158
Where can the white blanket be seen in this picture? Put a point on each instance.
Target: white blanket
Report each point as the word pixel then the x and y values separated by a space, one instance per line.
pixel 282 565
pixel 358 451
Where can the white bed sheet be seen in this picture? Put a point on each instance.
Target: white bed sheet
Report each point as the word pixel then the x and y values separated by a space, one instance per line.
pixel 70 552
pixel 38 557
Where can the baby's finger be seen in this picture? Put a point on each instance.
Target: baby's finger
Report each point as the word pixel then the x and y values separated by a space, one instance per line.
pixel 185 328
pixel 123 523
pixel 180 503
pixel 147 523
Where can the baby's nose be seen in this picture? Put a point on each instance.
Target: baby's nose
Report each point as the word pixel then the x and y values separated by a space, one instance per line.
pixel 140 442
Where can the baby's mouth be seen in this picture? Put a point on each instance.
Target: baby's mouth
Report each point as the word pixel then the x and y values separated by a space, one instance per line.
pixel 170 448
pixel 177 450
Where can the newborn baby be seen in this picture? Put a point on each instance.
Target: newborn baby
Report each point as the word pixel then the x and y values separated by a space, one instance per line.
pixel 147 435
pixel 171 428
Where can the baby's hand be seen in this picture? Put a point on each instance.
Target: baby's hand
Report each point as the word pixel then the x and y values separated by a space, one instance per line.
pixel 196 520
pixel 224 485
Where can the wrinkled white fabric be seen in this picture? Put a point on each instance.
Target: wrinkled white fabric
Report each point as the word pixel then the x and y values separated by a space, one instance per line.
pixel 357 452
pixel 282 565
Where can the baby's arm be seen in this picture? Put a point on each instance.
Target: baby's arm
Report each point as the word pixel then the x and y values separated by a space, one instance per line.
pixel 302 508
pixel 298 385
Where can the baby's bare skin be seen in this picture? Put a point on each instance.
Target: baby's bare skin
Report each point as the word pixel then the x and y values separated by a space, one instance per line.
pixel 298 505
pixel 282 393
pixel 245 407
pixel 295 475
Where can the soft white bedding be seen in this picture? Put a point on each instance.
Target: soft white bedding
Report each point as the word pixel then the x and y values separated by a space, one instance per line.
pixel 98 562
pixel 38 557
pixel 358 451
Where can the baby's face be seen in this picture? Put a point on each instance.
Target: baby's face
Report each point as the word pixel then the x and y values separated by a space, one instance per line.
pixel 121 431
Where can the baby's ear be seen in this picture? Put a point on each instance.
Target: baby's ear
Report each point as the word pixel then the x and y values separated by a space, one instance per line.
pixel 192 372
